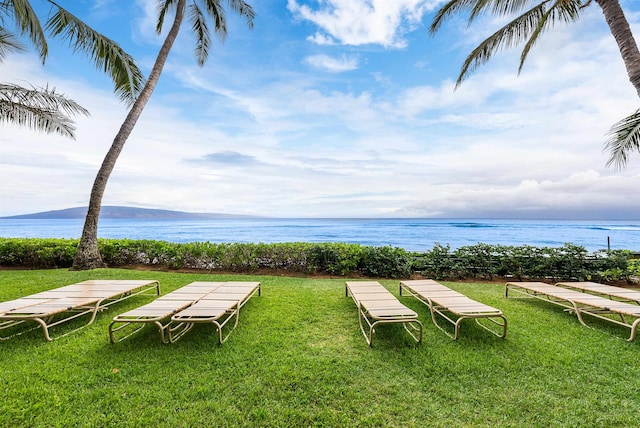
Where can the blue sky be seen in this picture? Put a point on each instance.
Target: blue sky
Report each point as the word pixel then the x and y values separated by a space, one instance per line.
pixel 337 108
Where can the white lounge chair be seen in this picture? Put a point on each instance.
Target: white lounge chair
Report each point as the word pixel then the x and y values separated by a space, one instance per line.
pixel 620 313
pixel 454 307
pixel 159 312
pixel 376 306
pixel 609 291
pixel 54 307
pixel 217 308
pixel 175 313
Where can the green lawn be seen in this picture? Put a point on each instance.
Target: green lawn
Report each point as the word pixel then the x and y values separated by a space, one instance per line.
pixel 298 358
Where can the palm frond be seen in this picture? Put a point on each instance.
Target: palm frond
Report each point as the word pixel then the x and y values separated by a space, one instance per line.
pixel 509 35
pixel 524 28
pixel 624 137
pixel 44 98
pixel 216 12
pixel 449 9
pixel 562 10
pixel 104 52
pixel 244 9
pixel 40 109
pixel 499 7
pixel 163 8
pixel 477 8
pixel 28 23
pixel 200 28
pixel 8 43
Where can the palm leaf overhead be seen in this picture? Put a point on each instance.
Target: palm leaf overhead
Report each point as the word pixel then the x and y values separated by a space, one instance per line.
pixel 624 137
pixel 518 30
pixel 241 7
pixel 102 51
pixel 8 43
pixel 565 11
pixel 478 8
pixel 244 9
pixel 216 12
pixel 28 23
pixel 163 8
pixel 201 30
pixel 41 109
pixel 532 18
pixel 198 17
pixel 525 28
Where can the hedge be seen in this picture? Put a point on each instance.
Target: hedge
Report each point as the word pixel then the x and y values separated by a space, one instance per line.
pixel 481 261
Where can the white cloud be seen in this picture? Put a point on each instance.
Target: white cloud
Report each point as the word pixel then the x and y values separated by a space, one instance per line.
pixel 321 39
pixel 145 24
pixel 361 22
pixel 333 65
pixel 577 195
pixel 281 141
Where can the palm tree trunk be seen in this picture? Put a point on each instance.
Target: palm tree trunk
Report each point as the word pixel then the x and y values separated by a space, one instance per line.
pixel 88 254
pixel 624 38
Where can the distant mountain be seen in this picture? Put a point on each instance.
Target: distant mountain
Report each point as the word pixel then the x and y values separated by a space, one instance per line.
pixel 128 213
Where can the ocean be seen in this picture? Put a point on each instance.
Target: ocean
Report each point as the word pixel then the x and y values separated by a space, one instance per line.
pixel 410 234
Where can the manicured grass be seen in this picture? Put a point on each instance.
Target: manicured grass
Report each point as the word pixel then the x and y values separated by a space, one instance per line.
pixel 298 358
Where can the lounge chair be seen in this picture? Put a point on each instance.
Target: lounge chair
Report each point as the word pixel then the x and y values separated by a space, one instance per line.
pixel 581 303
pixel 376 305
pixel 159 312
pixel 454 307
pixel 20 303
pixel 609 291
pixel 217 308
pixel 53 307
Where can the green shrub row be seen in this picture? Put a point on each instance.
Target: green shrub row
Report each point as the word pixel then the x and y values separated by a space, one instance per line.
pixel 481 261
pixel 329 258
pixel 525 262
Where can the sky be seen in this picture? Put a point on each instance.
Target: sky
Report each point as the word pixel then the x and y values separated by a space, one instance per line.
pixel 336 108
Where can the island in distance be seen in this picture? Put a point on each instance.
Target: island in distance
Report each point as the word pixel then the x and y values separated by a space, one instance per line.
pixel 129 213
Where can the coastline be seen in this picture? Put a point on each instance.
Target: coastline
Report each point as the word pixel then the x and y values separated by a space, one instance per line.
pixel 411 234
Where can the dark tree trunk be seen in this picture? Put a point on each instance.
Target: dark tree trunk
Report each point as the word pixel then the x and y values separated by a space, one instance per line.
pixel 88 254
pixel 624 38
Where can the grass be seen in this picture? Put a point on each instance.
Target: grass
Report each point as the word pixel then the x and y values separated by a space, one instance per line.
pixel 298 358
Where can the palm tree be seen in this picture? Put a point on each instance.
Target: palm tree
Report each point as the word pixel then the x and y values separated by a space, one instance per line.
pixel 88 254
pixel 43 109
pixel 531 19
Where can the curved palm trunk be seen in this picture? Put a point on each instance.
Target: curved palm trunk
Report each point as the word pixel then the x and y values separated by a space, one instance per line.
pixel 88 255
pixel 624 38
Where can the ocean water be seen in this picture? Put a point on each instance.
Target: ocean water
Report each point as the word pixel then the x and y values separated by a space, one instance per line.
pixel 410 234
